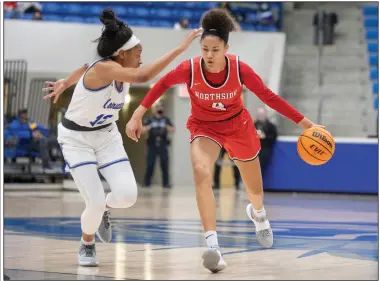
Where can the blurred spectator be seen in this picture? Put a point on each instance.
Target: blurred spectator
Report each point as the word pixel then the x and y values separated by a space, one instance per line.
pixel 182 24
pixel 266 16
pixel 324 22
pixel 267 133
pixel 26 8
pixel 29 7
pixel 157 128
pixel 217 169
pixel 31 132
pixel 10 140
pixel 37 15
pixel 227 7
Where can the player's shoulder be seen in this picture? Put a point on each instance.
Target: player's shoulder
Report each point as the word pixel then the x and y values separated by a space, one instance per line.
pixel 184 66
pixel 243 66
pixel 106 64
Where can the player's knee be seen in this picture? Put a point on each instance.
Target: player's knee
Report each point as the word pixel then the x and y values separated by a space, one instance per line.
pixel 124 197
pixel 202 173
pixel 128 197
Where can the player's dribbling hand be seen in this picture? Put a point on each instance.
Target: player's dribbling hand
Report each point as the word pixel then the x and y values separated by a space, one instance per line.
pixel 57 87
pixel 134 129
pixel 189 38
pixel 307 124
pixel 318 126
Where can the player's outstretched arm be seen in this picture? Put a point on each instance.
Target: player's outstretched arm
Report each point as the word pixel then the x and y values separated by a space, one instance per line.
pixel 148 72
pixel 61 85
pixel 180 75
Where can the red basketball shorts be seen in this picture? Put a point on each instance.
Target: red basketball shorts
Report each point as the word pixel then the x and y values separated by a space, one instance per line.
pixel 238 135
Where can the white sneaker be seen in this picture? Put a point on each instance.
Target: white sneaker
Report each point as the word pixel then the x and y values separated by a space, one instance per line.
pixel 87 255
pixel 213 260
pixel 104 232
pixel 264 236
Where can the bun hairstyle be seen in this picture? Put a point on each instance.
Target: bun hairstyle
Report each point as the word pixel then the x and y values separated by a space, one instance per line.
pixel 217 22
pixel 114 35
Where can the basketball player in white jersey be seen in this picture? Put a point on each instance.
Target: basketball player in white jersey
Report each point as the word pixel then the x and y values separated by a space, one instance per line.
pixel 88 135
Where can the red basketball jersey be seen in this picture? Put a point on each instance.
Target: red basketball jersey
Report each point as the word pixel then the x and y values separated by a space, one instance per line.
pixel 212 103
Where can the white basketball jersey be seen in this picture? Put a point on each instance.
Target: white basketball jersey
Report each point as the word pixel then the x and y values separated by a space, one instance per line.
pixel 96 107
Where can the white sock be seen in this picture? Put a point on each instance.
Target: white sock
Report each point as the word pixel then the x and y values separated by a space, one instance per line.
pixel 260 214
pixel 211 238
pixel 88 243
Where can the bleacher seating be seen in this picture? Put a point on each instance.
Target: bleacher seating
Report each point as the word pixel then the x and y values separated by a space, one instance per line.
pixel 22 146
pixel 371 21
pixel 155 14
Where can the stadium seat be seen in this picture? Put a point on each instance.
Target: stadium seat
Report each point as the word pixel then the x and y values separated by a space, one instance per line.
pixel 52 18
pixel 78 19
pixel 371 34
pixel 194 24
pixel 251 17
pixel 265 28
pixel 370 10
pixel 181 13
pixel 147 13
pixel 375 88
pixel 374 74
pixel 27 16
pixel 371 22
pixel 138 22
pixel 376 103
pixel 373 47
pixel 373 59
pixel 161 13
pixel 95 10
pixel 138 12
pixel 162 23
pixel 74 9
pixel 248 27
pixel 51 8
pixel 7 15
pixel 95 20
pixel 120 11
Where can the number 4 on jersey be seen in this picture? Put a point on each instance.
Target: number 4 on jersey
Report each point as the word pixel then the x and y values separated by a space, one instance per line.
pixel 218 105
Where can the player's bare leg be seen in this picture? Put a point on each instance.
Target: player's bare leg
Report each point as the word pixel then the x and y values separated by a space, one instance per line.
pixel 204 153
pixel 251 174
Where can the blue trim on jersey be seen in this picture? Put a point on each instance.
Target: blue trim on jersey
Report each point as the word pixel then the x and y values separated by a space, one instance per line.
pixel 114 162
pixel 122 87
pixel 96 89
pixel 82 164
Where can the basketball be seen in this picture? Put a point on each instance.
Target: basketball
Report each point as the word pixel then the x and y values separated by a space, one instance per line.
pixel 316 146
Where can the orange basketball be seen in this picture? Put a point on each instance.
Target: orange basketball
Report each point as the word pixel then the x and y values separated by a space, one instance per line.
pixel 316 146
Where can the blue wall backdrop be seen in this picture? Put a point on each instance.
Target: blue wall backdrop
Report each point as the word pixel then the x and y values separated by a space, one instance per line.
pixel 354 168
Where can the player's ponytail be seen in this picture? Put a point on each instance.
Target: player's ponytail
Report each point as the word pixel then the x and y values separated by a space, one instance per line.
pixel 217 22
pixel 114 35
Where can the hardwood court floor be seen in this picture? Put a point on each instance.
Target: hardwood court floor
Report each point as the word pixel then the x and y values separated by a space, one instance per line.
pixel 161 237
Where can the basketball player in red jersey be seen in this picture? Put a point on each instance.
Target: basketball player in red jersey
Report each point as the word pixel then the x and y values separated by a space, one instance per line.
pixel 218 119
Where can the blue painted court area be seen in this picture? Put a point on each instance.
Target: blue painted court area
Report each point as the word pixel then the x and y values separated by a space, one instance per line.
pixel 352 240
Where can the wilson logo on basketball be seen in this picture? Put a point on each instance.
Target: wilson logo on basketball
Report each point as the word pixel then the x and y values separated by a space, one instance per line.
pixel 323 138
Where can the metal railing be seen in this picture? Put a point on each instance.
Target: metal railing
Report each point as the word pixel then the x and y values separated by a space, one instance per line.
pixel 39 109
pixel 15 72
pixel 320 67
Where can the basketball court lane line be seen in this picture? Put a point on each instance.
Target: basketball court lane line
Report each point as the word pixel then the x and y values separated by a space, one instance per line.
pixel 100 277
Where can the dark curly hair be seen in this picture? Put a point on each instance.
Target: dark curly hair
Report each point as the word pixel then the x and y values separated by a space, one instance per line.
pixel 218 20
pixel 114 35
